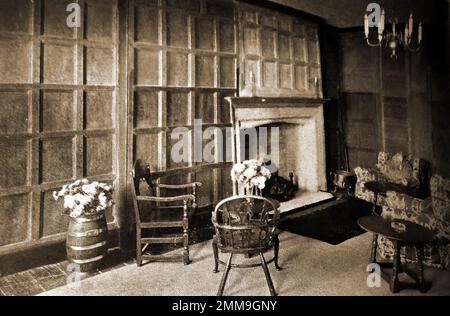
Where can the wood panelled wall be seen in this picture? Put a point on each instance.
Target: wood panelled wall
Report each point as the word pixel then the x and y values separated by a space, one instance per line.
pixel 281 51
pixel 184 58
pixel 58 101
pixel 386 102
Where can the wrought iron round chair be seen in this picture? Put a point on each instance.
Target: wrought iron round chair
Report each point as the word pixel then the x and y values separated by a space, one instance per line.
pixel 246 225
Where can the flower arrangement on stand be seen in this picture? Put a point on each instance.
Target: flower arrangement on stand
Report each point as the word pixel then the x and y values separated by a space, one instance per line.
pixel 85 202
pixel 251 174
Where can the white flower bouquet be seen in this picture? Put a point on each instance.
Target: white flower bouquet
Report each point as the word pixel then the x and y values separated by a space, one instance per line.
pixel 251 173
pixel 84 198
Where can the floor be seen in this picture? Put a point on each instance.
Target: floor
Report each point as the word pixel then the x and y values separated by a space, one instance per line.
pixel 34 281
pixel 315 263
pixel 41 279
pixel 310 267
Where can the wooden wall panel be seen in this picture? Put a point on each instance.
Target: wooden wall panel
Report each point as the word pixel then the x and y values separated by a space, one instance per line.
pixel 359 64
pixel 58 95
pixel 146 109
pixel 14 211
pixel 227 76
pixel 98 66
pixel 53 221
pixel 224 108
pixel 177 69
pixel 57 111
pixel 396 125
pixel 99 155
pixel 226 36
pixel 226 189
pixel 177 108
pixel 54 19
pixel 361 128
pixel 56 162
pixel 100 22
pixel 208 178
pixel 15 61
pixel 420 132
pixel 145 146
pixel 14 111
pixel 393 75
pixel 14 163
pixel 99 109
pixel 14 20
pixel 204 71
pixel 281 51
pixel 204 102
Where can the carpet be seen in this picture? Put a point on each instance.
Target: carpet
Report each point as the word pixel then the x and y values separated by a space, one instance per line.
pixel 332 222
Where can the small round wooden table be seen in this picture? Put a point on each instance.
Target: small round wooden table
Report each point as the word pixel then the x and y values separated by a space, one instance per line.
pixel 413 235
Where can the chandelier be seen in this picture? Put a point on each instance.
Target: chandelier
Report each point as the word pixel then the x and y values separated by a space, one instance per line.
pixel 410 38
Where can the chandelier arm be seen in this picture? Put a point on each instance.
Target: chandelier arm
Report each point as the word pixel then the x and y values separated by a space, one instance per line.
pixel 378 44
pixel 413 50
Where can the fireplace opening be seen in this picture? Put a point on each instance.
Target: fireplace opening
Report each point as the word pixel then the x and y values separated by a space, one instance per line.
pixel 289 132
pixel 280 158
pixel 286 147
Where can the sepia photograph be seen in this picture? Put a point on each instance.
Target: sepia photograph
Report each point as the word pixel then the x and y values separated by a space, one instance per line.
pixel 192 149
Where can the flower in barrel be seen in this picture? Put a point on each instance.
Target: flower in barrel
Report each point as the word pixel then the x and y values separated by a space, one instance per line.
pixel 85 198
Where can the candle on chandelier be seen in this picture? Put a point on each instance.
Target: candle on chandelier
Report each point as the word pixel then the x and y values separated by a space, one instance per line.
pixel 411 24
pixel 420 32
pixel 366 25
pixel 381 25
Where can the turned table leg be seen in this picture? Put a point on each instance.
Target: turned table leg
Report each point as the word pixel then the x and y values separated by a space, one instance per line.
pixel 373 252
pixel 421 279
pixel 374 204
pixel 395 267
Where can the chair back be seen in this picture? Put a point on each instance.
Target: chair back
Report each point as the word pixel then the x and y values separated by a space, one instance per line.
pixel 245 224
pixel 405 170
pixel 141 171
pixel 440 197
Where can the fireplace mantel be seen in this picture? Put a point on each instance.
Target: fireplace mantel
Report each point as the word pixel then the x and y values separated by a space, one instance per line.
pixel 262 102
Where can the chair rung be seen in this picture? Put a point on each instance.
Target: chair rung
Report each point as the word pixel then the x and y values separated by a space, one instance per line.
pixel 162 257
pixel 162 240
pixel 169 207
pixel 162 224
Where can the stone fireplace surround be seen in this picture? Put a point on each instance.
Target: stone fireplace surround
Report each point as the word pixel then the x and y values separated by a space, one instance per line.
pixel 302 141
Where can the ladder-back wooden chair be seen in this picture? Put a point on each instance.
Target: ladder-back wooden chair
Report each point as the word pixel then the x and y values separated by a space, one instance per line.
pixel 246 225
pixel 150 211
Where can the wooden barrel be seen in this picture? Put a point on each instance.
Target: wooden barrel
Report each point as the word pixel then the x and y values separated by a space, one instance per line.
pixel 86 244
